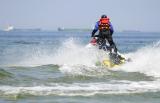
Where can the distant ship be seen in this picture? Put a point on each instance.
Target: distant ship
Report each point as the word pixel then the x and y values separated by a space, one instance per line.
pixel 72 29
pixel 9 28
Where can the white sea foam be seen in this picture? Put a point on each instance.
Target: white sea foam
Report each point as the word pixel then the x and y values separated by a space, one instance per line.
pixel 72 53
pixel 145 60
pixel 69 53
pixel 84 70
pixel 85 89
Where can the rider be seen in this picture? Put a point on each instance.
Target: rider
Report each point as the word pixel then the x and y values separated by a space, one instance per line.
pixel 105 32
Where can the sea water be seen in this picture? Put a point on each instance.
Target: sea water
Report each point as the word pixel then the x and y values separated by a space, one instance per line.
pixel 58 67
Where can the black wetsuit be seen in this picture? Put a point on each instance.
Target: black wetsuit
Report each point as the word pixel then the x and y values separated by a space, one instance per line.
pixel 103 36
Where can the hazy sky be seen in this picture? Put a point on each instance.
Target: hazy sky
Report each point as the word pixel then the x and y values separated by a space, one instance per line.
pixel 141 15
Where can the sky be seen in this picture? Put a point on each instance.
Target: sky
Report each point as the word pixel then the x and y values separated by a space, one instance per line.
pixel 142 15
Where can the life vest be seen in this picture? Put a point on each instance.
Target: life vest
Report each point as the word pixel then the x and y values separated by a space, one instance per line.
pixel 104 24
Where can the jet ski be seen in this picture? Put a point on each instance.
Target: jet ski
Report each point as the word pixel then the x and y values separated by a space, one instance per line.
pixel 113 59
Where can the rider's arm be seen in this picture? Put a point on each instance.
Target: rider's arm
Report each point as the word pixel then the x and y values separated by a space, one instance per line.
pixel 95 29
pixel 111 28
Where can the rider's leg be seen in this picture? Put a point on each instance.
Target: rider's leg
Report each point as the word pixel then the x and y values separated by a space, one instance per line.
pixel 112 44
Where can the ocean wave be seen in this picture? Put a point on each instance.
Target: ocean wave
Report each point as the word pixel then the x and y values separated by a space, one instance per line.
pixel 4 74
pixel 83 89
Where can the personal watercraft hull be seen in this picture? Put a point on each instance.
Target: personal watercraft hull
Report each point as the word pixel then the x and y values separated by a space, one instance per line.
pixel 109 64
